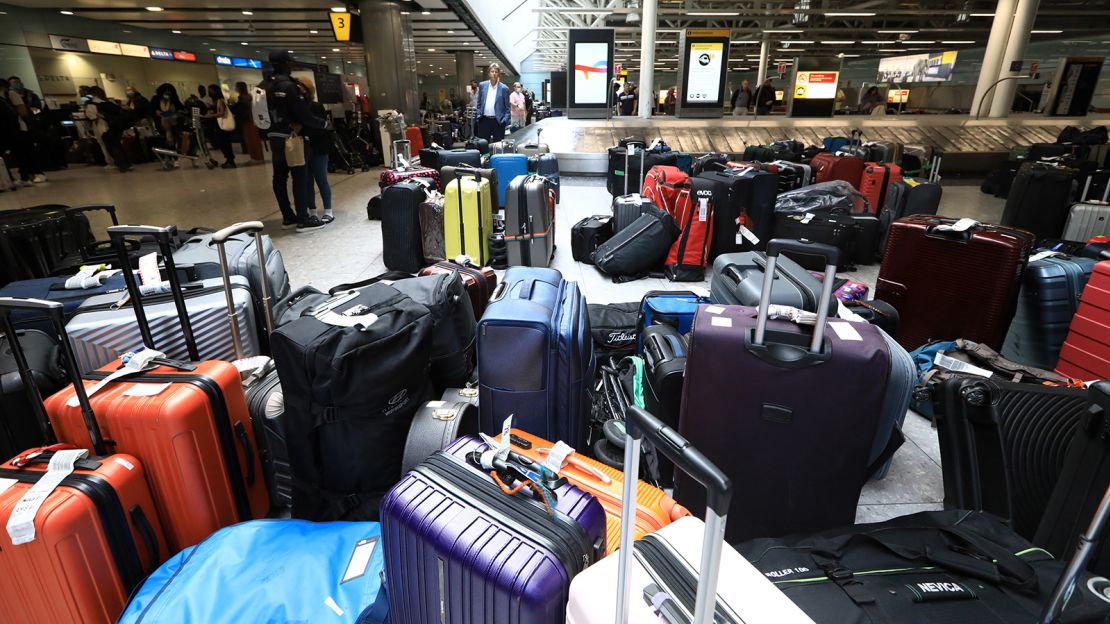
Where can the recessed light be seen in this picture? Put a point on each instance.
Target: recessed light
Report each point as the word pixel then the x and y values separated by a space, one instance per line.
pixel 66 12
pixel 211 49
pixel 957 42
pixel 1046 32
pixel 154 9
pixel 714 13
pixel 842 55
pixel 849 42
pixel 431 49
pixel 242 43
pixel 466 43
pixel 425 12
pixel 248 12
pixel 313 32
pixel 783 32
pixel 849 14
pixel 335 49
pixel 404 12
pixel 896 32
pixel 342 9
pixel 176 32
pixel 450 32
pixel 982 14
pixel 289 51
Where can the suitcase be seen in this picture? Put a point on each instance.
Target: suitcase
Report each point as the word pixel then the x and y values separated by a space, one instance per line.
pixel 535 356
pixel 639 248
pixel 415 137
pixel 446 527
pixel 618 183
pixel 628 208
pixel 694 214
pixel 671 575
pixel 480 282
pixel 53 289
pixel 907 197
pixel 831 456
pixel 1086 351
pixel 738 280
pixel 431 228
pixel 468 216
pixel 1048 300
pixel 1039 200
pixel 402 238
pixel 1088 219
pixel 838 230
pixel 448 173
pixel 712 161
pixel 530 221
pixel 587 235
pixel 437 424
pixel 664 367
pixel 668 307
pixel 745 221
pixel 886 152
pixel 759 153
pixel 546 165
pixel 439 158
pixel 505 146
pixel 875 183
pixel 663 186
pixel 533 149
pixel 508 167
pixel 982 264
pixel 482 145
pixel 868 235
pixel 19 426
pixel 876 312
pixel 213 481
pixel 828 167
pixel 793 175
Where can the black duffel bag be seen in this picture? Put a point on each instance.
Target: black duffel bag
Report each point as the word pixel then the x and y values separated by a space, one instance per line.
pixel 928 567
pixel 613 327
pixel 638 248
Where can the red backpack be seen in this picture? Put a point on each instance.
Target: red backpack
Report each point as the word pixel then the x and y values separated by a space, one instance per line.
pixel 663 186
pixel 689 254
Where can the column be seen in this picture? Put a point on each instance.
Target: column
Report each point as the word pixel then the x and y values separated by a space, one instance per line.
pixel 992 56
pixel 389 49
pixel 764 57
pixel 464 72
pixel 1015 50
pixel 647 57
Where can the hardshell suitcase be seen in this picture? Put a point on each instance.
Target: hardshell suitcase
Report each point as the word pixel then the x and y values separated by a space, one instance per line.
pixel 828 167
pixel 533 149
pixel 535 356
pixel 402 241
pixel 875 183
pixel 508 167
pixel 1049 297
pixel 738 280
pixel 664 370
pixel 744 222
pixel 546 165
pixel 1039 200
pixel 448 173
pixel 530 221
pixel 1086 351
pixel 446 528
pixel 628 208
pixel 468 216
pixel 480 282
pixel 19 426
pixel 587 235
pixel 415 138
pixel 982 264
pixel 431 228
pixel 839 432
pixel 694 214
pixel 1088 219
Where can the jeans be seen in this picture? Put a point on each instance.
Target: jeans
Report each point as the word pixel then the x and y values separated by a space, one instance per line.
pixel 317 165
pixel 282 172
pixel 490 129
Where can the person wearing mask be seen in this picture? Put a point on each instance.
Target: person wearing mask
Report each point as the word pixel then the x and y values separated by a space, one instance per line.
pixel 493 108
pixel 32 99
pixel 109 121
pixel 317 149
pixel 871 99
pixel 136 103
pixel 221 138
pixel 241 110
pixel 516 107
pixel 742 99
pixel 168 109
pixel 765 98
pixel 529 102
pixel 289 114
pixel 23 141
pixel 626 101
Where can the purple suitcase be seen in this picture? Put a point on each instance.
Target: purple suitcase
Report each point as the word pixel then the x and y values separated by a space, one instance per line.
pixel 458 549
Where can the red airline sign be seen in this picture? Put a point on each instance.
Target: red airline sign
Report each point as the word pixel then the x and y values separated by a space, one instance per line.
pixel 180 55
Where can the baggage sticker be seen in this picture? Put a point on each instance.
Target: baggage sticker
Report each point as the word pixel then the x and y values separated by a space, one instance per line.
pixel 807 218
pixel 721 321
pixel 148 269
pixel 959 366
pixel 146 390
pixel 435 404
pixel 505 443
pixel 123 462
pixel 714 309
pixel 360 559
pixel 703 209
pixel 21 522
pixel 845 331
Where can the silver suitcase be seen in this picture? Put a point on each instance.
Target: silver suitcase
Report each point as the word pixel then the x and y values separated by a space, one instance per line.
pixel 199 258
pixel 530 221
pixel 533 149
pixel 1087 219
pixel 103 328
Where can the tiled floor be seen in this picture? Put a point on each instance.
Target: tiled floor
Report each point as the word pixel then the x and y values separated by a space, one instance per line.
pixel 351 249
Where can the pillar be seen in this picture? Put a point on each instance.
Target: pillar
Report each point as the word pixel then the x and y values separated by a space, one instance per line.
pixel 992 56
pixel 764 58
pixel 1015 51
pixel 647 57
pixel 464 72
pixel 389 48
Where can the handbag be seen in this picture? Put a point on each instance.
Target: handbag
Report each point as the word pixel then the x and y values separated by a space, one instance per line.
pixel 294 150
pixel 226 122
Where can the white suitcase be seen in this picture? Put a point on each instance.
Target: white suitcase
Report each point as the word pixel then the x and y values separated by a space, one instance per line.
pixel 6 181
pixel 533 149
pixel 1088 219
pixel 685 557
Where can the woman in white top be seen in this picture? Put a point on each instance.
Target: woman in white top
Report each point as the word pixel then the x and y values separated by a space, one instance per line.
pixel 516 106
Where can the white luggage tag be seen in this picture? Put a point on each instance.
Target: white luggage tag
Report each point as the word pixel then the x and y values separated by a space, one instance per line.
pixel 962 225
pixel 1048 253
pixel 21 524
pixel 133 363
pixel 86 278
pixel 952 364
pixel 792 314
pixel 505 443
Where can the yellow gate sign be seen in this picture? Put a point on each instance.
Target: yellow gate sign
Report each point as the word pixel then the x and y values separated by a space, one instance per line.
pixel 341 25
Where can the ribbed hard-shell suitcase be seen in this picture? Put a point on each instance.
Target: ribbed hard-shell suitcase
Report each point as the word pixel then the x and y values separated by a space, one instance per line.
pixel 530 221
pixel 402 242
pixel 831 167
pixel 738 280
pixel 1039 200
pixel 1086 351
pixel 934 276
pixel 197 256
pixel 431 228
pixel 458 548
pixel 533 149
pixel 1049 297
pixel 628 208
pixel 468 216
pixel 875 183
pixel 1087 220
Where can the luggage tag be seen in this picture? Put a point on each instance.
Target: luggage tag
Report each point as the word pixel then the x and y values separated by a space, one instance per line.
pixel 21 524
pixel 962 225
pixel 132 363
pixel 87 277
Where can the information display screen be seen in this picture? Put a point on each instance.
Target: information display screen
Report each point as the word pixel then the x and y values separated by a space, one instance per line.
pixel 927 67
pixel 703 72
pixel 816 85
pixel 591 73
pixel 897 96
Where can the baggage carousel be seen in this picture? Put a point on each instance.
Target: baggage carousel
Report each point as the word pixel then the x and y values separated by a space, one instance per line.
pixel 969 145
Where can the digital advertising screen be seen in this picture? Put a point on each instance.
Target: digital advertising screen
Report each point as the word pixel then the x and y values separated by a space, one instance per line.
pixel 927 67
pixel 591 73
pixel 703 72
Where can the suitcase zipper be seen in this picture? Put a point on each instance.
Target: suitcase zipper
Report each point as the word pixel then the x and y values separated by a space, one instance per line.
pixel 674 577
pixel 631 238
pixel 566 539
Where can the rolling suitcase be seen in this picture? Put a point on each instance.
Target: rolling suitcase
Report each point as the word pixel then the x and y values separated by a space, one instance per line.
pixel 1039 200
pixel 587 235
pixel 19 425
pixel 468 216
pixel 907 197
pixel 981 264
pixel 671 575
pixel 402 238
pixel 628 208
pixel 533 149
pixel 213 481
pixel 693 213
pixel 535 356
pixel 448 173
pixel 1049 297
pixel 838 230
pixel 738 280
pixel 431 228
pixel 480 282
pixel 415 138
pixel 484 556
pixel 664 185
pixel 546 165
pixel 505 146
pixel 664 369
pixel 626 173
pixel 875 183
pixel 838 433
pixel 744 222
pixel 530 221
pixel 439 158
pixel 508 167
pixel 1086 351
pixel 482 145
pixel 54 289
pixel 1088 219
pixel 828 167
pixel 197 257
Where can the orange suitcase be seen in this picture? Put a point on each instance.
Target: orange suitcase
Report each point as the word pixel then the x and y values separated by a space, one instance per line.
pixel 190 428
pixel 96 536
pixel 654 509
pixel 415 138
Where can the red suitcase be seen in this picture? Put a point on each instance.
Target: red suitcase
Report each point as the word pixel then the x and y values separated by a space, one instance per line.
pixel 947 284
pixel 189 425
pixel 416 140
pixel 480 281
pixel 96 535
pixel 828 166
pixel 1086 351
pixel 875 181
pixel 689 253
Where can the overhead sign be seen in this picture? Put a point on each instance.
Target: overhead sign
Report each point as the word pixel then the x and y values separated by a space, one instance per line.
pixel 104 47
pixel 928 67
pixel 75 44
pixel 346 27
pixel 134 50
pixel 223 60
pixel 181 55
pixel 247 62
pixel 816 85
pixel 161 54
pixel 589 77
pixel 897 96
pixel 703 72
pixel 708 33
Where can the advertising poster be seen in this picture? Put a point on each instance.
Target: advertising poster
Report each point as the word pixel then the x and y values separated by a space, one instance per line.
pixel 816 85
pixel 591 73
pixel 704 72
pixel 927 67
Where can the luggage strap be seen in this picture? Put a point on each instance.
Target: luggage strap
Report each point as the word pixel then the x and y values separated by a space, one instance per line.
pixel 999 364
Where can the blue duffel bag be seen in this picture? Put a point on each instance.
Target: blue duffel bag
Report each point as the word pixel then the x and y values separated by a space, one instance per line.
pixel 270 571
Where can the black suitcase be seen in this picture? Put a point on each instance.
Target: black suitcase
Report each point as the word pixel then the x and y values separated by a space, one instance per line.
pixel 482 145
pixel 639 248
pixel 840 231
pixel 439 158
pixel 867 239
pixel 908 197
pixel 628 208
pixel 664 367
pixel 750 199
pixel 1048 300
pixel 587 235
pixel 876 312
pixel 1039 200
pixel 713 161
pixel 618 183
pixel 19 426
pixel 402 243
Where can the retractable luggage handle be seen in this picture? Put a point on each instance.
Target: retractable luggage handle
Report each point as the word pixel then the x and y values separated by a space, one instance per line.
pixel 220 240
pixel 640 425
pixel 397 159
pixel 634 144
pixel 119 234
pixel 55 310
pixel 832 259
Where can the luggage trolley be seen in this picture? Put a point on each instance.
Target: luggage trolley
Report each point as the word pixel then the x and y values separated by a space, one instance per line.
pixel 170 158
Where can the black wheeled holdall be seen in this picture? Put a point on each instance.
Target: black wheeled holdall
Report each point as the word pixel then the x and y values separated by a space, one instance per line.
pixel 402 239
pixel 1039 200
pixel 587 235
pixel 439 158
pixel 838 230
pixel 530 221
pixel 639 248
pixel 453 339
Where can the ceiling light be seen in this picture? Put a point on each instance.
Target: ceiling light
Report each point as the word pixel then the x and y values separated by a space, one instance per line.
pixel 789 50
pixel 176 32
pixel 849 42
pixel 66 12
pixel 466 43
pixel 739 42
pixel 450 32
pixel 897 32
pixel 313 32
pixel 404 12
pixel 715 13
pixel 323 57
pixel 289 51
pixel 431 49
pixel 425 12
pixel 154 9
pixel 916 42
pixel 957 42
pixel 242 43
pixel 889 50
pixel 214 49
pixel 335 49
pixel 1045 32
pixel 341 9
pixel 849 14
pixel 798 41
pixel 248 12
pixel 982 14
pixel 783 32
pixel 842 55
pixel 877 42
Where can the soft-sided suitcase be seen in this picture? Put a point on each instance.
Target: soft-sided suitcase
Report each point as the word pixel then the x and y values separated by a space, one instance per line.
pixel 875 183
pixel 838 432
pixel 1039 200
pixel 639 248
pixel 54 289
pixel 448 173
pixel 664 370
pixel 738 280
pixel 431 228
pixel 1086 351
pixel 94 536
pixel 907 197
pixel 745 220
pixel 213 481
pixel 587 235
pixel 439 158
pixel 664 185
pixel 980 267
pixel 508 167
pixel 628 208
pixel 468 216
pixel 694 214
pixel 838 230
pixel 1049 297
pixel 19 427
pixel 626 171
pixel 672 575
pixel 828 167
pixel 480 282
pixel 530 221
pixel 546 165
pixel 453 338
pixel 459 549
pixel 402 240
pixel 535 356
pixel 713 161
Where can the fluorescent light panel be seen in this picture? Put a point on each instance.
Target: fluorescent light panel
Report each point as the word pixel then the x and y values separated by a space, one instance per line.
pixel 849 14
pixel 896 32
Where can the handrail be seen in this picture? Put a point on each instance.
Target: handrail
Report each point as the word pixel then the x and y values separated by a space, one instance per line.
pixel 979 109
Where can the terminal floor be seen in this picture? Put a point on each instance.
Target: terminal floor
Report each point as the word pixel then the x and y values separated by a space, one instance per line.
pixel 351 249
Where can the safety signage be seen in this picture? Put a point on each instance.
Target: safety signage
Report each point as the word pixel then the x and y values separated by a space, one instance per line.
pixel 816 85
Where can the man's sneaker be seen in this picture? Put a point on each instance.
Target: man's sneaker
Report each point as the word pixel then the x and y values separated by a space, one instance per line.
pixel 288 225
pixel 39 178
pixel 310 224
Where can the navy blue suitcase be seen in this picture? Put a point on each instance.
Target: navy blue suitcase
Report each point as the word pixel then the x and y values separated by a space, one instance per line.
pixel 546 165
pixel 53 289
pixel 535 356
pixel 1049 298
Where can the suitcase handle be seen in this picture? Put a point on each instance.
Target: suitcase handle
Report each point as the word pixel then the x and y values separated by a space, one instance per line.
pixel 55 310
pixel 641 425
pixel 109 208
pixel 790 353
pixel 219 238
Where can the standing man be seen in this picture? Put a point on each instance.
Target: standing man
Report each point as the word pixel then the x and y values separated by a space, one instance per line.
pixel 742 99
pixel 626 101
pixel 764 98
pixel 289 113
pixel 23 141
pixel 493 106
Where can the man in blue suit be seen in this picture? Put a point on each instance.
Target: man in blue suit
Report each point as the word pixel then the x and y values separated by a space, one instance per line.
pixel 493 106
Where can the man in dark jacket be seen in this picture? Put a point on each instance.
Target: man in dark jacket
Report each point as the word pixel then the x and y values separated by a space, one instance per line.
pixel 764 98
pixel 289 113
